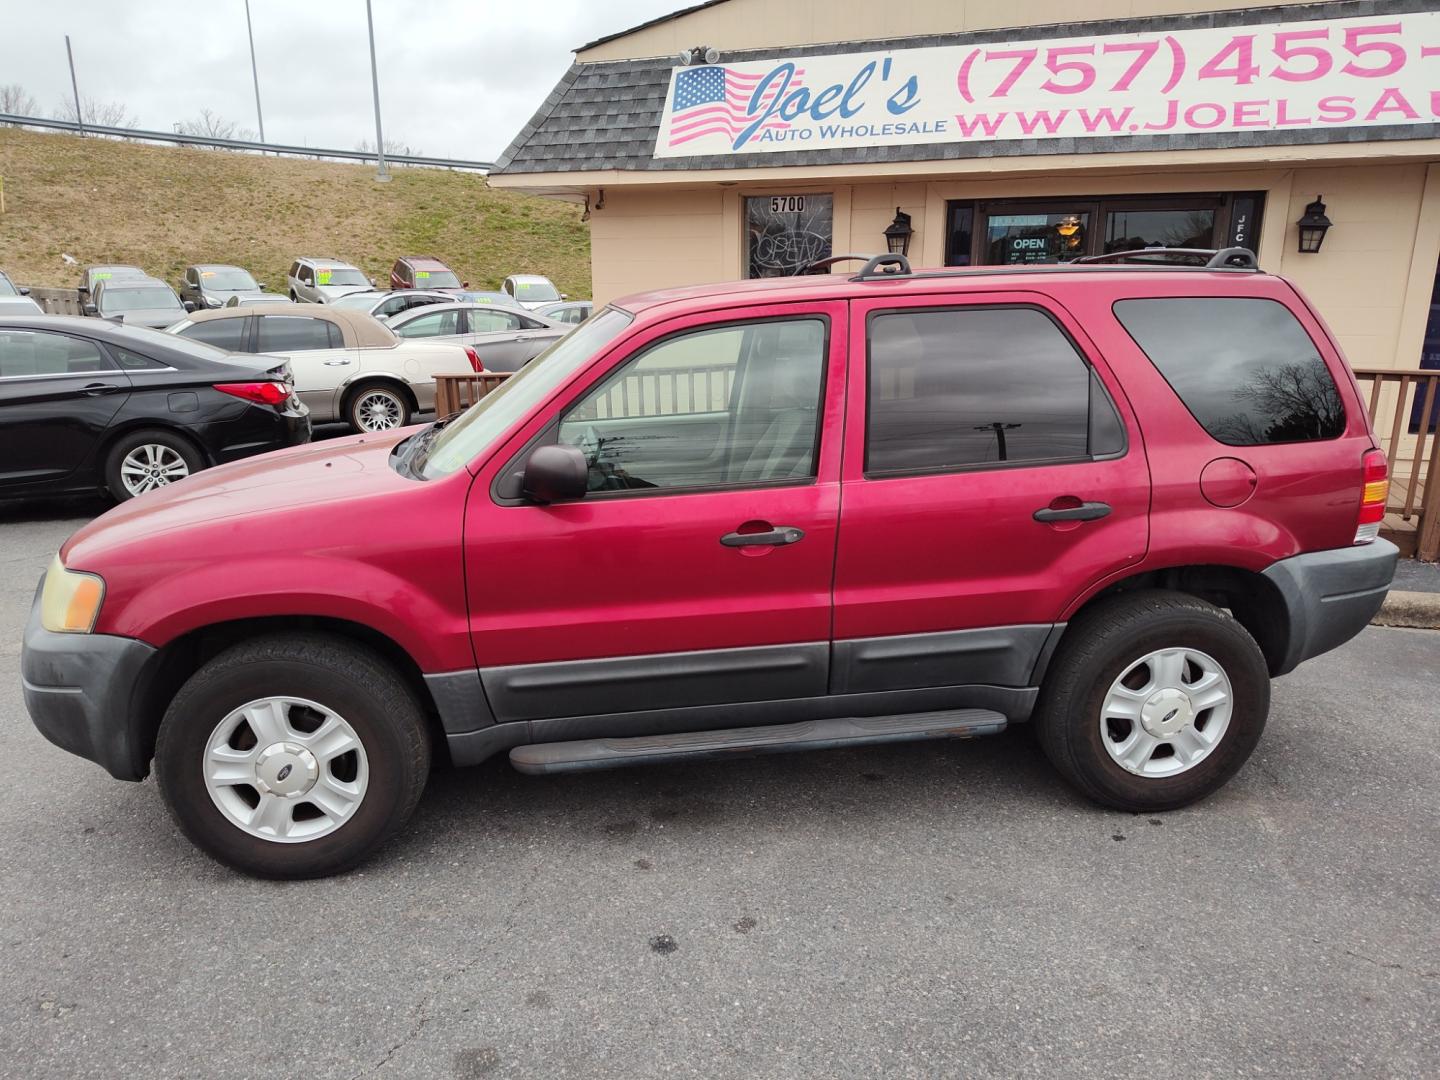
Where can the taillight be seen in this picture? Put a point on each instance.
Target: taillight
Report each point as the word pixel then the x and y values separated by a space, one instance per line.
pixel 1376 474
pixel 262 393
pixel 474 359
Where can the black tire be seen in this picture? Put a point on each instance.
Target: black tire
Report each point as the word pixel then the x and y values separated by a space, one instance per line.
pixel 351 680
pixel 115 457
pixel 1097 649
pixel 364 395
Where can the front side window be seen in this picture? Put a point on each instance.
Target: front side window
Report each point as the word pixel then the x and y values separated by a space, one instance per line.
pixel 722 406
pixel 31 353
pixel 1245 368
pixel 489 320
pixel 292 333
pixel 431 324
pixel 979 387
pixel 305 276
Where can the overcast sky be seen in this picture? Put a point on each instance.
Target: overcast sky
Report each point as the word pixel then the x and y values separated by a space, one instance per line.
pixel 458 78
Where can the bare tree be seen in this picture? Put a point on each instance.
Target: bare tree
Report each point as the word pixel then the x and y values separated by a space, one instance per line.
pixel 14 99
pixel 1286 403
pixel 99 113
pixel 212 125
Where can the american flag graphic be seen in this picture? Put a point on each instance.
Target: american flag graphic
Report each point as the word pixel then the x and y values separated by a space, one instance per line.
pixel 715 101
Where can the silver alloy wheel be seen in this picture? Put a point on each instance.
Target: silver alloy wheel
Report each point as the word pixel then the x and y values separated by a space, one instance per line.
pixel 1166 712
pixel 286 769
pixel 151 465
pixel 378 410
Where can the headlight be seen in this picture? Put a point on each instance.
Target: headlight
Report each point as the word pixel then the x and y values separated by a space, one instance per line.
pixel 70 601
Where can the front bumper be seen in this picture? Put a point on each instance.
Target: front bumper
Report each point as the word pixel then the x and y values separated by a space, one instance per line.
pixel 80 690
pixel 1330 596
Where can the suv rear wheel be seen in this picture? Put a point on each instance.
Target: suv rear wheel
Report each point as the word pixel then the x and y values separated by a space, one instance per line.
pixel 1154 700
pixel 292 756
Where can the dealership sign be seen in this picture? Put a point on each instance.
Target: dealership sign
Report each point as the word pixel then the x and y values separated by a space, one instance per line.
pixel 1277 76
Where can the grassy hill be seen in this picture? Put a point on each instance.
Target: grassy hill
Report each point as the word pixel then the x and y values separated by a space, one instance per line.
pixel 163 208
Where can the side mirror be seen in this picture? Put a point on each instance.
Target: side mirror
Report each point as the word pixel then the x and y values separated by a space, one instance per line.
pixel 464 284
pixel 24 290
pixel 263 286
pixel 555 474
pixel 189 305
pixel 91 309
pixel 372 282
pixel 564 296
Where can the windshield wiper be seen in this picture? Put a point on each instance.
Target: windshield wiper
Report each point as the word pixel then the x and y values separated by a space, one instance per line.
pixel 417 447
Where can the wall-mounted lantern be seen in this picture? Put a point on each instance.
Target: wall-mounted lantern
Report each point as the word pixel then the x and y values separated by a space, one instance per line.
pixel 898 233
pixel 1313 226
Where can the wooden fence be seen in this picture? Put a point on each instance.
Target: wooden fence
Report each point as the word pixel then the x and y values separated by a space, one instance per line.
pixel 456 393
pixel 654 392
pixel 1404 406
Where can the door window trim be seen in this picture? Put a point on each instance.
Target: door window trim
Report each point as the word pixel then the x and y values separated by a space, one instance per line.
pixel 1094 380
pixel 549 434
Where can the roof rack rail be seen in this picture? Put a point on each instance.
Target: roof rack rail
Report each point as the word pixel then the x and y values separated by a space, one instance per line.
pixel 1230 258
pixel 883 266
pixel 822 266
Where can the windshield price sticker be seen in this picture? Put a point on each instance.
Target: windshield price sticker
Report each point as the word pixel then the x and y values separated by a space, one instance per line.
pixel 422 273
pixel 322 277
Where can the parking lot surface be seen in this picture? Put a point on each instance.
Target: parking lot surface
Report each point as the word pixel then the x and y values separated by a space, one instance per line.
pixel 942 909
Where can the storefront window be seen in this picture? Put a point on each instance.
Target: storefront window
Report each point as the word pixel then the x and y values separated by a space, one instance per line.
pixel 1013 239
pixel 1129 230
pixel 786 233
pixel 959 233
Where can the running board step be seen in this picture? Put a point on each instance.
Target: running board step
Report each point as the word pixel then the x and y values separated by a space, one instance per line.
pixel 774 739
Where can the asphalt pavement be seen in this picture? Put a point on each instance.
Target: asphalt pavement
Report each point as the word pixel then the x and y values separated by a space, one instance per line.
pixel 929 910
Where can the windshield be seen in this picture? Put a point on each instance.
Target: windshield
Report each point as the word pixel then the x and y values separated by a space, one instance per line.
pixel 334 276
pixel 7 289
pixel 535 291
pixel 436 279
pixel 113 300
pixel 227 279
pixel 488 419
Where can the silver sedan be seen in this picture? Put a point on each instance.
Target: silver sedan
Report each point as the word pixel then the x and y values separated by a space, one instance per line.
pixel 504 338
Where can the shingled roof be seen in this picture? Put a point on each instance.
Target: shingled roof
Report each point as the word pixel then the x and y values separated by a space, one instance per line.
pixel 605 116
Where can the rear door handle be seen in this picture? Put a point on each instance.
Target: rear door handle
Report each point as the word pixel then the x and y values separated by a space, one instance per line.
pixel 784 535
pixel 336 363
pixel 1086 511
pixel 98 389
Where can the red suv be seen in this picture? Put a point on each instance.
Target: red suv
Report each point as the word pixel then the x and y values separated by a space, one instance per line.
pixel 770 515
pixel 424 272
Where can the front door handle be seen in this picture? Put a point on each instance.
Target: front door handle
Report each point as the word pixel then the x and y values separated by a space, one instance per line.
pixel 95 389
pixel 336 363
pixel 785 534
pixel 1086 511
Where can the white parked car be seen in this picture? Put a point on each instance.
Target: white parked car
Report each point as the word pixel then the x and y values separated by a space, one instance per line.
pixel 531 290
pixel 319 281
pixel 505 339
pixel 383 305
pixel 348 366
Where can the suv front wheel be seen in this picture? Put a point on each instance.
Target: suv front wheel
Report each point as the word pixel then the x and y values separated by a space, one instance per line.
pixel 292 756
pixel 1154 700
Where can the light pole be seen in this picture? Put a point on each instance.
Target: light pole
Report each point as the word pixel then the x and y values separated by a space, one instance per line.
pixel 254 72
pixel 380 171
pixel 75 86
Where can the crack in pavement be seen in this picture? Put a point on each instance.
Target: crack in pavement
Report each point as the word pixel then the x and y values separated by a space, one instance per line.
pixel 427 999
pixel 1390 966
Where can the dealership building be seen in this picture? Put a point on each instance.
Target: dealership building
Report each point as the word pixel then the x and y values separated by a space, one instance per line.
pixel 747 138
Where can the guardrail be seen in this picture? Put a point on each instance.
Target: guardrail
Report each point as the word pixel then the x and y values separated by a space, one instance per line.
pixel 1404 407
pixel 142 135
pixel 57 301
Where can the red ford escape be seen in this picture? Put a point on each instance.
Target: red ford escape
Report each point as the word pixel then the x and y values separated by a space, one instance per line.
pixel 1112 500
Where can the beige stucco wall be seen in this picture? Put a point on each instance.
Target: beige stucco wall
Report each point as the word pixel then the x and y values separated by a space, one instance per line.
pixel 757 24
pixel 1371 281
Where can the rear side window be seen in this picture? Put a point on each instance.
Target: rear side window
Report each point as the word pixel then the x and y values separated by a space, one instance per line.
pixel 32 353
pixel 1245 368
pixel 227 334
pixel 292 333
pixel 975 387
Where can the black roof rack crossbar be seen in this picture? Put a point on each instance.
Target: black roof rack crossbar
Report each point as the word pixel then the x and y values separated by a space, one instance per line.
pixel 883 266
pixel 1231 258
pixel 821 266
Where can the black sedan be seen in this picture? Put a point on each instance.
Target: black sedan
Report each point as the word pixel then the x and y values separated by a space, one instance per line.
pixel 87 405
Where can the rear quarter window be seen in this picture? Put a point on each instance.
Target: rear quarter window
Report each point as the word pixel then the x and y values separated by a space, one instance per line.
pixel 1245 368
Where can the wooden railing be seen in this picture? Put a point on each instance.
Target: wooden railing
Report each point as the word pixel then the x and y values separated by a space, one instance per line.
pixel 456 393
pixel 1404 407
